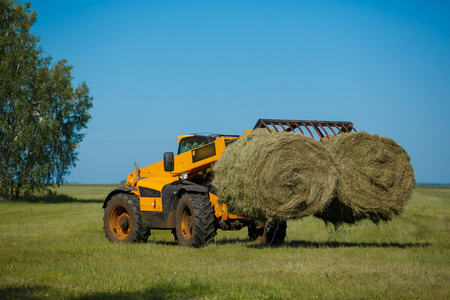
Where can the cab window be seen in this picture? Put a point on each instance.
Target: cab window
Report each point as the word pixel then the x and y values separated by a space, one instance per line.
pixel 190 143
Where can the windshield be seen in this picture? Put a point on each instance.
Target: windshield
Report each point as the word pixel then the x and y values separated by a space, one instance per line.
pixel 190 143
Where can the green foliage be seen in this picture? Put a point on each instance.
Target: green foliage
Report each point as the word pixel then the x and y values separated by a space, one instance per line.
pixel 41 113
pixel 59 251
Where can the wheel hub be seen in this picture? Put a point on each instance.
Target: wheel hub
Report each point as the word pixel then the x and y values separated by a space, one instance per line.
pixel 186 223
pixel 124 222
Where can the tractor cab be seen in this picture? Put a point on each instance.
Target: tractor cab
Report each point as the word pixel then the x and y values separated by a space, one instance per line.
pixel 193 141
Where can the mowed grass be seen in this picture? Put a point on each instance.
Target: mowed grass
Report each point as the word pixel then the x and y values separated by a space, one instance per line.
pixel 58 250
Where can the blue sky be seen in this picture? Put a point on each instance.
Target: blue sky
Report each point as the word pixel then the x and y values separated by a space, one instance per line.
pixel 159 69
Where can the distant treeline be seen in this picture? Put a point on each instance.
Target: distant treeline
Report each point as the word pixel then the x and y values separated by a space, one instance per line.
pixel 432 184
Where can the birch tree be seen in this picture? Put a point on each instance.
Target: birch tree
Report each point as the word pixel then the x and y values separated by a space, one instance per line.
pixel 41 114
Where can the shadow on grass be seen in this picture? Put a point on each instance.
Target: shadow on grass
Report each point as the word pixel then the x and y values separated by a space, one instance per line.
pixel 193 288
pixel 167 243
pixel 337 244
pixel 305 244
pixel 232 240
pixel 56 198
pixel 22 292
pixel 225 241
pixel 325 244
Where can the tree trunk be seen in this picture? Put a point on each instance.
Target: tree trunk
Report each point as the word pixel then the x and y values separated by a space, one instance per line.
pixel 11 191
pixel 16 197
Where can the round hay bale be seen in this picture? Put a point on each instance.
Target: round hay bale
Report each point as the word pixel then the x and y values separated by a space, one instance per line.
pixel 275 176
pixel 375 178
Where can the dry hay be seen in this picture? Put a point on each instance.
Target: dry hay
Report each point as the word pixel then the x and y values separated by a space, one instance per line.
pixel 375 178
pixel 275 176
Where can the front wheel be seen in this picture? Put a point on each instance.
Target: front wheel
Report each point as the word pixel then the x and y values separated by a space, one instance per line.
pixel 122 220
pixel 195 220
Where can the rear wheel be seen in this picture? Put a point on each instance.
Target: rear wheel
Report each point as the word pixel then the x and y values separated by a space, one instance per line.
pixel 256 231
pixel 194 220
pixel 122 220
pixel 270 233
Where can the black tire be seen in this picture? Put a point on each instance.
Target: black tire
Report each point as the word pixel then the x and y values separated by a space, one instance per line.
pixel 275 233
pixel 174 233
pixel 195 220
pixel 256 231
pixel 122 220
pixel 271 233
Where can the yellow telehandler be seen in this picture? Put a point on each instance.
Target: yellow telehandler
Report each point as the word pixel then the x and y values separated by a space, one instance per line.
pixel 176 193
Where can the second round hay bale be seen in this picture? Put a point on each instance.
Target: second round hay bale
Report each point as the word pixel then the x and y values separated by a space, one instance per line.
pixel 275 176
pixel 375 178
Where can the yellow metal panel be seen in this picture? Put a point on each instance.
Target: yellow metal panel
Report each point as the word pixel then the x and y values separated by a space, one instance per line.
pixel 221 210
pixel 233 216
pixel 151 204
pixel 217 207
pixel 155 183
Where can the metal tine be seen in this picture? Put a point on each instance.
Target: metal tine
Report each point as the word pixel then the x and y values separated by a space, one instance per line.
pixel 335 125
pixel 334 133
pixel 322 128
pixel 352 127
pixel 346 128
pixel 274 126
pixel 265 125
pixel 317 130
pixel 308 130
pixel 292 129
pixel 324 131
pixel 298 126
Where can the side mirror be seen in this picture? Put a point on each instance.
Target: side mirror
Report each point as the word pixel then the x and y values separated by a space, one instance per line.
pixel 169 164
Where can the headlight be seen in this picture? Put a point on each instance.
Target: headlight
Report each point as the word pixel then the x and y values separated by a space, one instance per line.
pixel 183 176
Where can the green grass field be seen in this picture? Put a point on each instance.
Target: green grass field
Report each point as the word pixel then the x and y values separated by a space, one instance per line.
pixel 55 248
